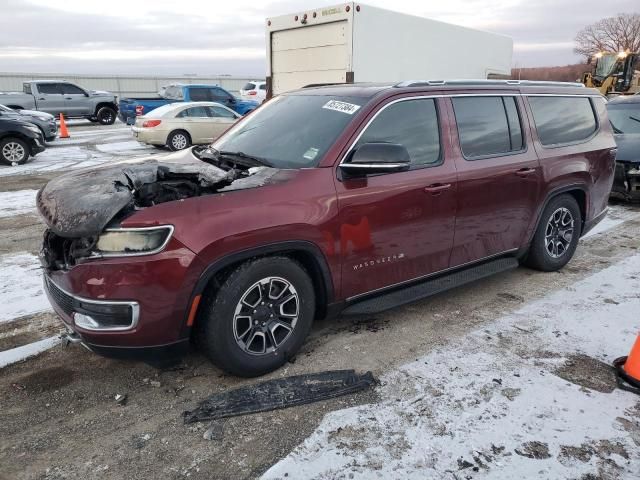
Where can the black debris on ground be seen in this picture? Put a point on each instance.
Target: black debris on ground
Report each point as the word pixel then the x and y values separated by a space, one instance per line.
pixel 280 393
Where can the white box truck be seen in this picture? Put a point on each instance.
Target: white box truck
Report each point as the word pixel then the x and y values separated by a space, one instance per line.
pixel 353 42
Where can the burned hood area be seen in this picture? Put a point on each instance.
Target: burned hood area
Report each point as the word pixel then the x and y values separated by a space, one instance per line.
pixel 78 206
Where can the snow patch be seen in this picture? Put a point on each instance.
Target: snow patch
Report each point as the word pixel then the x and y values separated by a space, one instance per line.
pixel 21 289
pixel 119 147
pixel 20 202
pixel 21 353
pixel 476 407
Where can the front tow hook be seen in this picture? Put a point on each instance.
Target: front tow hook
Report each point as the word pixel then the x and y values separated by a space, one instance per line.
pixel 69 337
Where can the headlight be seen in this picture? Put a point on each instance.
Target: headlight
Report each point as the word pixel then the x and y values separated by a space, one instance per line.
pixel 133 241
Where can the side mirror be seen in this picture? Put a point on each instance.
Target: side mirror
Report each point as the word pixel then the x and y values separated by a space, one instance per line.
pixel 232 100
pixel 374 157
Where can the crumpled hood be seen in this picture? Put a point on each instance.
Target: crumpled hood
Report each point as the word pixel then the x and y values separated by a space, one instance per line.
pixel 81 204
pixel 628 147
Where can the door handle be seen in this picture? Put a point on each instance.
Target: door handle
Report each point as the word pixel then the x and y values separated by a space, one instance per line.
pixel 523 172
pixel 67 98
pixel 42 98
pixel 437 188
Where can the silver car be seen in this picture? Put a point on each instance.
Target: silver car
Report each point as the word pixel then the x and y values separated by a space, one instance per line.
pixel 44 121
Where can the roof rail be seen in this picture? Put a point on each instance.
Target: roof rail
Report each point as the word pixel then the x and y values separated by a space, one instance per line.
pixel 528 83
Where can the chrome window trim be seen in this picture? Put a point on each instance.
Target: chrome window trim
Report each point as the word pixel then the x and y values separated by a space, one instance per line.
pixel 451 95
pixel 135 309
pixel 384 107
pixel 171 229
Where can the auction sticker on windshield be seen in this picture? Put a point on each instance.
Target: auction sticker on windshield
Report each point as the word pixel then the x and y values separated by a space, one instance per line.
pixel 344 107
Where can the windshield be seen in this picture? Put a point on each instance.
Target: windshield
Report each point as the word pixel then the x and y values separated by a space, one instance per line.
pixel 292 131
pixel 605 65
pixel 625 118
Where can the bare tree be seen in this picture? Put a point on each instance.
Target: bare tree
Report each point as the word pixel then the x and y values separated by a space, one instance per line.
pixel 613 34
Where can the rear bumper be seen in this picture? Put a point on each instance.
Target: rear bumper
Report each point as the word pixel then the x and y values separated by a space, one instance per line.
pixel 152 136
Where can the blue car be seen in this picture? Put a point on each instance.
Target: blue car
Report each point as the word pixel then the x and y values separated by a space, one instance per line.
pixel 130 108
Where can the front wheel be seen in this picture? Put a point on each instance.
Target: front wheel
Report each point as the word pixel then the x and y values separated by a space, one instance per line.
pixel 13 151
pixel 258 318
pixel 106 116
pixel 557 235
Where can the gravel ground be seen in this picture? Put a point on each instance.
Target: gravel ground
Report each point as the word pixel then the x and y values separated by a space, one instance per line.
pixel 59 418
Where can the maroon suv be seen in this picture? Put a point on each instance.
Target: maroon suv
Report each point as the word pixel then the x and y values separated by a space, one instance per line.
pixel 351 198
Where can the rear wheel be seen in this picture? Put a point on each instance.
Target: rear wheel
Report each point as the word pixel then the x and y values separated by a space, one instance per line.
pixel 258 318
pixel 106 116
pixel 13 151
pixel 557 235
pixel 178 140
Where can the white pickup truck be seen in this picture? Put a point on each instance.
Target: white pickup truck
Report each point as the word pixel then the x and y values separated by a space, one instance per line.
pixel 56 97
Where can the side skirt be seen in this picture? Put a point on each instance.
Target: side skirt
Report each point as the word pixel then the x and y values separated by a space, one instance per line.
pixel 427 288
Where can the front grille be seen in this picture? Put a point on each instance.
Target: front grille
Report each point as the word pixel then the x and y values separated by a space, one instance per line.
pixel 62 299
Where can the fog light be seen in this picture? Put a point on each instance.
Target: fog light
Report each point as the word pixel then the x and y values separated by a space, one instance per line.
pixel 85 321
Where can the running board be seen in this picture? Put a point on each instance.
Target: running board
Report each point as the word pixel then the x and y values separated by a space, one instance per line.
pixel 427 288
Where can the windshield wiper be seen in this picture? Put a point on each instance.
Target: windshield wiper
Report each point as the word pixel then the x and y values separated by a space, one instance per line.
pixel 245 159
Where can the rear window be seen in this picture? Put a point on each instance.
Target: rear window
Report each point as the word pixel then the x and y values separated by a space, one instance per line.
pixel 488 126
pixel 26 88
pixel 562 120
pixel 249 86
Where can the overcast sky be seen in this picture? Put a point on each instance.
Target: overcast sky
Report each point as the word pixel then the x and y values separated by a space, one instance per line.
pixel 227 37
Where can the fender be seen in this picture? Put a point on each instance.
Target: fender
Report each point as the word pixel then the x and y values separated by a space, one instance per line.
pixel 554 193
pixel 322 276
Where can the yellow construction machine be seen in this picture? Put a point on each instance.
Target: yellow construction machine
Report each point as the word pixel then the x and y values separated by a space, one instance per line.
pixel 615 73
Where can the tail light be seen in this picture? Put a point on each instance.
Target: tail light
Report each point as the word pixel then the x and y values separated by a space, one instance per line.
pixel 252 92
pixel 151 123
pixel 139 110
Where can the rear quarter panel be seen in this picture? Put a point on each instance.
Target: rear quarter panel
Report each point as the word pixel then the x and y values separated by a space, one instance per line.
pixel 587 165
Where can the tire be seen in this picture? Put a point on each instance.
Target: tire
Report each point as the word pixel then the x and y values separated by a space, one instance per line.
pixel 13 151
pixel 178 140
pixel 250 342
pixel 106 116
pixel 557 235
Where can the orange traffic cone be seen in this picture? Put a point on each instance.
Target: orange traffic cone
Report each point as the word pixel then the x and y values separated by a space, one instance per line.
pixel 628 369
pixel 64 133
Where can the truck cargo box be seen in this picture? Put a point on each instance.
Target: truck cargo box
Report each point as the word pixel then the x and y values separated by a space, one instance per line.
pixel 353 42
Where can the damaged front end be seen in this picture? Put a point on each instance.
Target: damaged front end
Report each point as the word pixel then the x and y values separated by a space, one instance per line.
pixel 83 209
pixel 626 184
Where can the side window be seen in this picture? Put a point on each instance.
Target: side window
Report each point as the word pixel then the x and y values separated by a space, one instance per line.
pixel 218 112
pixel 193 112
pixel 49 88
pixel 563 119
pixel 488 125
pixel 199 94
pixel 412 123
pixel 69 89
pixel 219 95
pixel 263 86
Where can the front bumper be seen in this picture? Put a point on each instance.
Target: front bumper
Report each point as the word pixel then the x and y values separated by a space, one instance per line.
pixel 136 302
pixel 37 145
pixel 626 182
